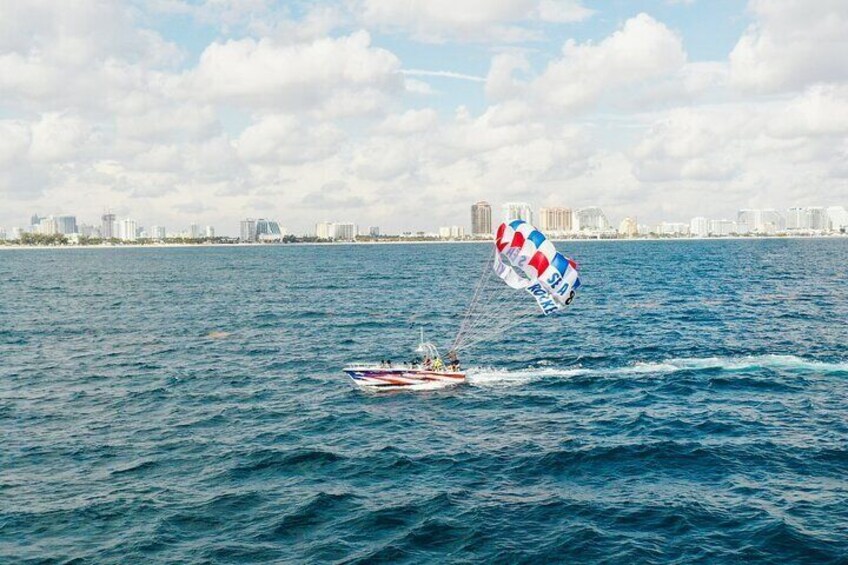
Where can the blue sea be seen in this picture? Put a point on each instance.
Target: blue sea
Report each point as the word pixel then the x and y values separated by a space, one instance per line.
pixel 187 405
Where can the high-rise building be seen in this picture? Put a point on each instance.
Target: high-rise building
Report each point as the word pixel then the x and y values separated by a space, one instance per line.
pixel 673 228
pixel 517 211
pixel 837 218
pixel 767 221
pixel 157 232
pixel 47 226
pixel 66 224
pixel 796 219
pixel 247 232
pixel 747 220
pixel 87 230
pixel 107 226
pixel 481 218
pixel 817 218
pixel 127 229
pixel 555 220
pixel 2 234
pixel 699 227
pixel 194 231
pixel 210 232
pixel 35 219
pixel 268 230
pixel 629 227
pixel 590 219
pixel 344 231
pixel 723 227
pixel 374 231
pixel 451 232
pixel 324 230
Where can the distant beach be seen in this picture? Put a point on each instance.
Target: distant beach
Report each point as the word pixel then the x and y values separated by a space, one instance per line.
pixel 417 242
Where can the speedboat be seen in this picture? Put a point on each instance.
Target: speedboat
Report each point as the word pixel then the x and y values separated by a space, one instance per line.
pixel 377 377
pixel 428 373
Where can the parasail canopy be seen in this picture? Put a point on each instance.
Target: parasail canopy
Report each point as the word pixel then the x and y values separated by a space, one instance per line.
pixel 524 259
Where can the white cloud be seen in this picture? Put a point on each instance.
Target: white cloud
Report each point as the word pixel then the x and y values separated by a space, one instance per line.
pixel 74 38
pixel 265 74
pixel 283 139
pixel 822 110
pixel 410 122
pixel 640 66
pixel 58 138
pixel 471 20
pixel 775 153
pixel 642 51
pixel 792 43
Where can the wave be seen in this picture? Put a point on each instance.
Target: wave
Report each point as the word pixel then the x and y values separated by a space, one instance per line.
pixel 485 376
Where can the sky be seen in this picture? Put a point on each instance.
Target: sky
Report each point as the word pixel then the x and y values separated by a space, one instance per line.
pixel 402 114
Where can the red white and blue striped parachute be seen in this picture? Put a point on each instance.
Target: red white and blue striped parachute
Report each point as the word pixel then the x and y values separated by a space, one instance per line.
pixel 524 259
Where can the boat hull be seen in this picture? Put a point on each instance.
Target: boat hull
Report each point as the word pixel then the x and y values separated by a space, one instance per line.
pixel 393 378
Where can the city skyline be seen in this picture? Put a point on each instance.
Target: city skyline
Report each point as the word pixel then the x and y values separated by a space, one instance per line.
pixel 378 110
pixel 557 220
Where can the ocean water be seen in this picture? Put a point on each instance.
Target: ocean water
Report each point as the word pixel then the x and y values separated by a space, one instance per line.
pixel 187 405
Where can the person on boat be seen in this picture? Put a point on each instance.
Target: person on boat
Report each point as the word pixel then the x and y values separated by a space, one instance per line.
pixel 454 361
pixel 428 363
pixel 438 365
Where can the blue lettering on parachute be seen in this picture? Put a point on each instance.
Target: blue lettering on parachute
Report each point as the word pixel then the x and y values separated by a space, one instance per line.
pixel 548 306
pixel 537 290
pixel 543 299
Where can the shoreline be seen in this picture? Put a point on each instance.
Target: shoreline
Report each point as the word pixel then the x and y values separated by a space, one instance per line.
pixel 433 242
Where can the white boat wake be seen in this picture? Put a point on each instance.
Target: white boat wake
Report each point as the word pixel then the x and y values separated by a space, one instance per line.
pixel 489 377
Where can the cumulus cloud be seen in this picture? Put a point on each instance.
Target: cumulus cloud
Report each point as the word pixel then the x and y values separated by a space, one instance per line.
pixel 283 139
pixel 777 153
pixel 640 52
pixel 265 74
pixel 642 64
pixel 791 44
pixel 471 20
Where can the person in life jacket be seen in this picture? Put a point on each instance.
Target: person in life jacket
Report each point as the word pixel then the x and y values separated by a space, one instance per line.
pixel 438 365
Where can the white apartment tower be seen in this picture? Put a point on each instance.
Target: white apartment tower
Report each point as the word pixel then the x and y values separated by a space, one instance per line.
pixel 127 229
pixel 590 219
pixel 324 230
pixel 699 227
pixel 837 218
pixel 517 211
pixel 247 231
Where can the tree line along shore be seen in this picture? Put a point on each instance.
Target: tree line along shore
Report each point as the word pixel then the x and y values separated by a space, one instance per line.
pixel 58 240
